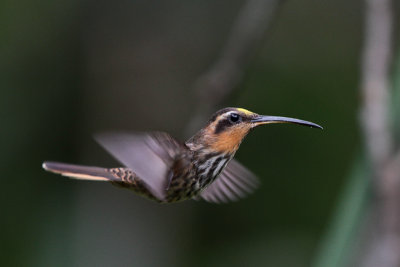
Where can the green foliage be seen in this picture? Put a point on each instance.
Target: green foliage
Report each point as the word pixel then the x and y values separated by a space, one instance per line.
pixel 336 245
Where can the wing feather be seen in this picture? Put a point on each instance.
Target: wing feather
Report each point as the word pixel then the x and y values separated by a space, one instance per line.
pixel 233 183
pixel 149 155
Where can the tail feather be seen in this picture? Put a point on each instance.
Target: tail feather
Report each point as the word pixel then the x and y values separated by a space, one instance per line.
pixel 78 171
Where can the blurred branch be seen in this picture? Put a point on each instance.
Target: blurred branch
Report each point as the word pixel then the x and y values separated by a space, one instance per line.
pixel 336 246
pixel 217 83
pixel 385 244
pixel 375 81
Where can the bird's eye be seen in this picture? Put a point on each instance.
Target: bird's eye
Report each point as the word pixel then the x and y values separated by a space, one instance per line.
pixel 234 117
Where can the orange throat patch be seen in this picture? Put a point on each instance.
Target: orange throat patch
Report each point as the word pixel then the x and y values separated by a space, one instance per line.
pixel 229 140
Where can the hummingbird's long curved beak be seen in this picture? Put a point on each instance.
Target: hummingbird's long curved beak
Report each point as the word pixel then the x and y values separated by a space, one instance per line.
pixel 262 119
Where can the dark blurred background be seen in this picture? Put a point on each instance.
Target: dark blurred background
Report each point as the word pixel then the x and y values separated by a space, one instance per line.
pixel 69 69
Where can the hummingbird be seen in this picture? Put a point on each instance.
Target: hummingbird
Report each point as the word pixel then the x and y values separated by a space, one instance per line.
pixel 160 168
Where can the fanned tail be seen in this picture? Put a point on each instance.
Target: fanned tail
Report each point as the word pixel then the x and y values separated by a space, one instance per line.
pixel 121 177
pixel 78 171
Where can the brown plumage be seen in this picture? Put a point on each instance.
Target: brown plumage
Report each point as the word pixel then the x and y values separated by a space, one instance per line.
pixel 165 170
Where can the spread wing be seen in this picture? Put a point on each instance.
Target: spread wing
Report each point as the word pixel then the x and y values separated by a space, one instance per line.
pixel 149 155
pixel 233 183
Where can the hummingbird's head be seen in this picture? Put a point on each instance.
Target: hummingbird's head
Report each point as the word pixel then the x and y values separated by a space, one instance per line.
pixel 227 128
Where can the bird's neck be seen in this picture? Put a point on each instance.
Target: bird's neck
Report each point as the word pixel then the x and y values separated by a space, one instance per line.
pixel 205 155
pixel 208 142
pixel 208 163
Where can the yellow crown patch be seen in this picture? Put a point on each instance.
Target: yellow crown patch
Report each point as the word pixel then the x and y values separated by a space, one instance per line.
pixel 245 111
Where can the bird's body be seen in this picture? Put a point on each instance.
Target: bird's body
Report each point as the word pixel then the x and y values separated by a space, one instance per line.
pixel 165 170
